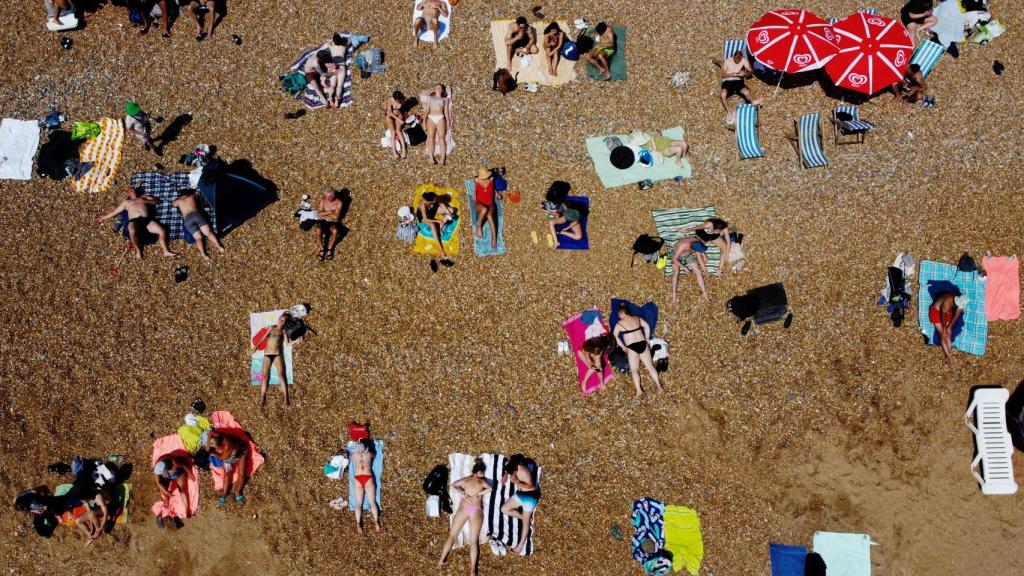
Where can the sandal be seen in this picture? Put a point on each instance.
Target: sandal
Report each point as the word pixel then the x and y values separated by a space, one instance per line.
pixel 322 256
pixel 433 265
pixel 240 499
pixel 447 263
pixel 330 254
pixel 222 500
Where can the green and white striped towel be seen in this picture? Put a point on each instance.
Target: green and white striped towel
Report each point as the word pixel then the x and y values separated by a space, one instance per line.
pixel 669 220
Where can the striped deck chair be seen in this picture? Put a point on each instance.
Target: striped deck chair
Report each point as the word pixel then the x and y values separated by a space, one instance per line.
pixel 808 141
pixel 733 46
pixel 850 131
pixel 868 11
pixel 746 132
pixel 927 56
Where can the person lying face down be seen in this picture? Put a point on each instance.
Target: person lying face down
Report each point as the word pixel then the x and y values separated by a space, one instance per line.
pixel 365 487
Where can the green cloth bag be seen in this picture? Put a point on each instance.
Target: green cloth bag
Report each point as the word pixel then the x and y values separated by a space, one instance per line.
pixel 84 130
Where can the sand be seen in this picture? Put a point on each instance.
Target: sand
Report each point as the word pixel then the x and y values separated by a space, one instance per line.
pixel 841 423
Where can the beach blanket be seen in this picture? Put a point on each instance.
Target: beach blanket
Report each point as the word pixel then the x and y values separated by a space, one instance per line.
pixel 122 498
pixel 683 538
pixel 225 423
pixel 566 243
pixel 505 529
pixel 104 152
pixel 19 140
pixel 667 221
pixel 308 95
pixel 443 23
pixel 617 63
pixel 576 331
pixel 425 242
pixel 461 466
pixel 1002 289
pixel 377 467
pixel 172 507
pixel 537 70
pixel 258 321
pixel 648 520
pixel 787 560
pixel 611 176
pixel 844 554
pixel 166 188
pixel 970 331
pixel 648 312
pixel 482 245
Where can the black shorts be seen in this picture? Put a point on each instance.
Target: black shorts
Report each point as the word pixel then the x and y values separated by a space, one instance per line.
pixel 733 86
pixel 907 20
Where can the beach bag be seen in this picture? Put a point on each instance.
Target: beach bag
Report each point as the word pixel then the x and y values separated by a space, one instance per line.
pixel 357 431
pixel 295 328
pixel 584 43
pixel 500 184
pixel 436 484
pixel 504 81
pixel 647 245
pixel 407 231
pixel 569 51
pixel 415 134
pixel 619 360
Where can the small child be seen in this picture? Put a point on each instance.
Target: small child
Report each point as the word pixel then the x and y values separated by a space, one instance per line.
pixel 137 123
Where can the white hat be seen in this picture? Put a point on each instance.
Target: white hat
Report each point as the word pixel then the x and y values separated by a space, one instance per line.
pixel 405 213
pixel 191 419
pixel 961 301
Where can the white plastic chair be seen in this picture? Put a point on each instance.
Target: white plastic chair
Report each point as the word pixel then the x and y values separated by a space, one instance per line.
pixel 995 449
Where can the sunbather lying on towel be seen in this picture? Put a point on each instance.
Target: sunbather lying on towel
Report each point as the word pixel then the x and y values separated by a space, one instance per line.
pixel 911 87
pixel 231 454
pixel 633 334
pixel 196 223
pixel 172 471
pixel 689 252
pixel 54 8
pixel 432 9
pixel 438 109
pixel 139 207
pixel 329 212
pixel 660 146
pixel 592 353
pixel 273 341
pixel 394 120
pixel 735 71
pixel 713 231
pixel 485 195
pixel 554 39
pixel 520 40
pixel 604 48
pixel 471 509
pixel 436 211
pixel 521 472
pixel 322 65
pixel 363 454
pixel 564 214
pixel 945 310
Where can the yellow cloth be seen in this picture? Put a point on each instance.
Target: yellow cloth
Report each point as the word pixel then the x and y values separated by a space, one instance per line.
pixel 683 538
pixel 104 151
pixel 190 434
pixel 429 245
pixel 537 71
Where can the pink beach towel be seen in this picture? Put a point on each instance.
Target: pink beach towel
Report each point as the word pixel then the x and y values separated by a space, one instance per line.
pixel 1002 289
pixel 171 507
pixel 576 330
pixel 224 422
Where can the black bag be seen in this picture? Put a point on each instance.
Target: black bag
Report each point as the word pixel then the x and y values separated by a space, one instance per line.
pixel 436 484
pixel 416 134
pixel 295 328
pixel 760 306
pixel 647 245
pixel 584 43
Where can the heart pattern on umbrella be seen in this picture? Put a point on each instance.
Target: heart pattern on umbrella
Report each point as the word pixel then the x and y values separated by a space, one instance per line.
pixel 874 52
pixel 901 58
pixel 857 79
pixel 802 59
pixel 791 40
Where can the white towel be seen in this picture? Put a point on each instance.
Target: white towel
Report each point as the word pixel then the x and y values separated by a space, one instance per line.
pixel 19 140
pixel 950 25
pixel 444 23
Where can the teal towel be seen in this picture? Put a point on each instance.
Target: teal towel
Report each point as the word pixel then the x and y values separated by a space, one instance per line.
pixel 617 63
pixel 844 554
pixel 611 176
pixel 667 221
pixel 482 246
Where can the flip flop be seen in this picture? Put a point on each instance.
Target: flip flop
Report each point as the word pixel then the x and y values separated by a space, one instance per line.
pixel 322 256
pixel 551 241
pixel 330 254
pixel 433 265
pixel 222 500
pixel 240 499
pixel 447 263
pixel 533 236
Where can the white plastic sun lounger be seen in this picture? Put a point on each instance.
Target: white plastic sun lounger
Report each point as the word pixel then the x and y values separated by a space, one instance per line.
pixel 995 449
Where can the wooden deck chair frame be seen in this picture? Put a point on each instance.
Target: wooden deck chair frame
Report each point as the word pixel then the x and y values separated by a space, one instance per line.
pixel 842 135
pixel 757 132
pixel 795 140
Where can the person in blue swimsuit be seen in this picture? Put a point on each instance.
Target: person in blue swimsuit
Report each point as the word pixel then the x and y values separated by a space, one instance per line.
pixel 521 472
pixel 171 473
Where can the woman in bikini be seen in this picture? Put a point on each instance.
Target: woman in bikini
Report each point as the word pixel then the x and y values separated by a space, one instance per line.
pixel 363 454
pixel 172 472
pixel 273 355
pixel 472 488
pixel 438 108
pixel 484 198
pixel 554 39
pixel 632 334
pixel 230 454
pixel 435 212
pixel 592 353
pixel 713 231
pixel 564 214
pixel 394 119
pixel 522 504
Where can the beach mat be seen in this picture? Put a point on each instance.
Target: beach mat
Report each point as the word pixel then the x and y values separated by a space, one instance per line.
pixel 482 246
pixel 121 501
pixel 257 321
pixel 443 23
pixel 787 560
pixel 844 554
pixel 225 423
pixel 537 71
pixel 377 467
pixel 649 312
pixel 172 445
pixel 668 220
pixel 505 529
pixel 648 521
pixel 461 466
pixel 104 151
pixel 576 331
pixel 566 243
pixel 1002 289
pixel 167 188
pixel 425 242
pixel 611 176
pixel 19 140
pixel 617 64
pixel 308 95
pixel 970 331
pixel 683 539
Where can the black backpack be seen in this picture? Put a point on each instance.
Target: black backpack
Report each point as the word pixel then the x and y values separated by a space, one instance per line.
pixel 436 484
pixel 295 328
pixel 647 245
pixel 584 43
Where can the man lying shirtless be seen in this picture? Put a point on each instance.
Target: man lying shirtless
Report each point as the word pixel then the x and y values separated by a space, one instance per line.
pixel 139 207
pixel 196 223
pixel 428 20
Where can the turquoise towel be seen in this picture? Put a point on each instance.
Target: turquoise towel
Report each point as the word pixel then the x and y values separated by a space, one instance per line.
pixel 844 554
pixel 482 246
pixel 612 176
pixel 617 64
pixel 378 469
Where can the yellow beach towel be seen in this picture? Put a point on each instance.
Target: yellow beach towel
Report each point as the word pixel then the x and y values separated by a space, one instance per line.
pixel 683 538
pixel 537 71
pixel 104 151
pixel 428 245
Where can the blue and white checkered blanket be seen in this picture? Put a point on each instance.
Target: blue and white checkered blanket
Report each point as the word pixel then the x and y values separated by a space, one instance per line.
pixel 970 333
pixel 166 188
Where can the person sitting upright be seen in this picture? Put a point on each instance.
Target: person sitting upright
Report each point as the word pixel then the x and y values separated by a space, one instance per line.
pixel 196 223
pixel 735 71
pixel 604 49
pixel 521 471
pixel 139 207
pixel 431 11
pixel 329 211
pixel 917 16
pixel 945 310
pixel 911 87
pixel 435 212
pixel 554 40
pixel 172 473
pixel 206 8
pixel 365 487
pixel 520 40
pixel 394 120
pixel 317 67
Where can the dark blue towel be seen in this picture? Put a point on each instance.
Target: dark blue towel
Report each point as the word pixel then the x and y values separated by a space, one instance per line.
pixel 566 243
pixel 787 560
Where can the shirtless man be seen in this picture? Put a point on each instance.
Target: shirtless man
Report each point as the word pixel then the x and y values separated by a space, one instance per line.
pixel 427 22
pixel 317 67
pixel 911 87
pixel 329 210
pixel 139 207
pixel 520 40
pixel 196 223
pixel 472 488
pixel 604 48
pixel 735 71
pixel 273 356
pixel 363 454
pixel 689 252
pixel 945 310
pixel 520 471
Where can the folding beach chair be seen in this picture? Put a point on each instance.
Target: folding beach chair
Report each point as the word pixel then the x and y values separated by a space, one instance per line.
pixel 927 56
pixel 807 142
pixel 746 132
pixel 995 449
pixel 733 46
pixel 868 11
pixel 847 127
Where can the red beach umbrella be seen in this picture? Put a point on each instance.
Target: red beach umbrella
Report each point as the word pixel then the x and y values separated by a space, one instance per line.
pixel 874 51
pixel 791 40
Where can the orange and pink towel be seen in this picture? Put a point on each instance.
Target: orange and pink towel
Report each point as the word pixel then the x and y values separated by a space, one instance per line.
pixel 224 422
pixel 171 507
pixel 1002 288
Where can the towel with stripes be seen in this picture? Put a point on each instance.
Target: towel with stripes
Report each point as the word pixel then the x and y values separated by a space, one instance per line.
pixel 970 332
pixel 505 529
pixel 669 220
pixel 104 151
pixel 309 97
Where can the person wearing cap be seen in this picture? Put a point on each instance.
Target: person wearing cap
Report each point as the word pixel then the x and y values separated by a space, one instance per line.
pixel 139 207
pixel 945 310
pixel 484 197
pixel 329 211
pixel 197 7
pixel 138 124
pixel 689 252
pixel 911 87
pixel 520 40
pixel 171 474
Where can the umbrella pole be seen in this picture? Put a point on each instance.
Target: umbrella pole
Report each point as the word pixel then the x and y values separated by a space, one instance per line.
pixel 778 85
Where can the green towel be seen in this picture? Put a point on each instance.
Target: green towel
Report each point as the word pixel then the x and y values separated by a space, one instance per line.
pixel 683 538
pixel 611 176
pixel 617 64
pixel 668 220
pixel 84 130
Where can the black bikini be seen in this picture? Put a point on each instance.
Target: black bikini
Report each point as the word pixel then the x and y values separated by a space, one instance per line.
pixel 640 346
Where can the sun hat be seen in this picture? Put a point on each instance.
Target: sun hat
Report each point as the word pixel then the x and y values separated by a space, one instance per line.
pixel 483 173
pixel 132 109
pixel 404 213
pixel 160 467
pixel 622 157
